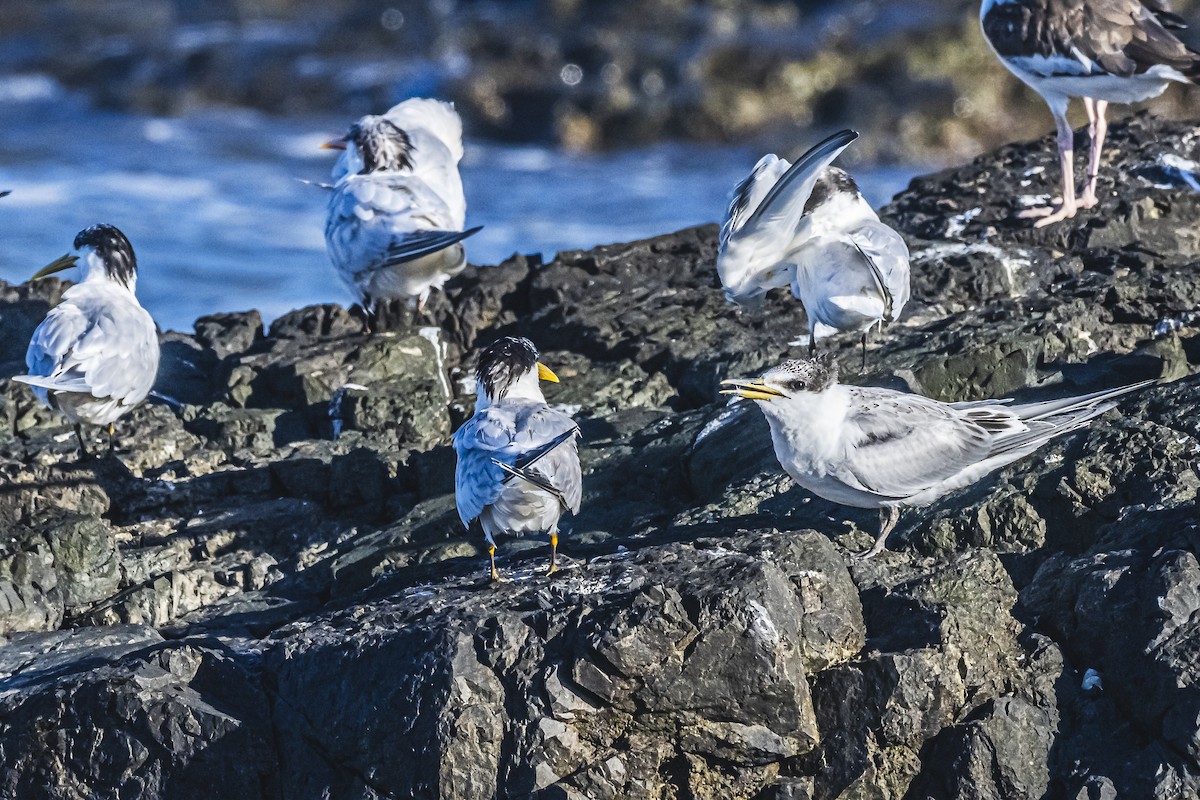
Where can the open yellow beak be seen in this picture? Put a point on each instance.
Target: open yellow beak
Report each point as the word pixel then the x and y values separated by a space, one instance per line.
pixel 57 265
pixel 335 144
pixel 546 374
pixel 751 389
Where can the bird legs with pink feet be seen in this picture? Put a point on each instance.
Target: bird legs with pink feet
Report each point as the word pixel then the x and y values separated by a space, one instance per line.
pixel 1065 208
pixel 1097 129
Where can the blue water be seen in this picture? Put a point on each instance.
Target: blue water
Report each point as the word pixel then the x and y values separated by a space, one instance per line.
pixel 220 221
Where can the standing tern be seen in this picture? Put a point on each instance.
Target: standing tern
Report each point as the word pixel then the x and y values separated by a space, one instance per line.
pixel 879 448
pixel 95 355
pixel 394 223
pixel 1104 51
pixel 806 225
pixel 518 462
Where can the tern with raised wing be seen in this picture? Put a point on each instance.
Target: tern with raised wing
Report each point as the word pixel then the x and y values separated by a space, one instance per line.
pixel 807 226
pixel 395 221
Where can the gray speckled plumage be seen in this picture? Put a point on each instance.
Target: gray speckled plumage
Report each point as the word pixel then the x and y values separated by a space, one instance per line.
pixel 518 465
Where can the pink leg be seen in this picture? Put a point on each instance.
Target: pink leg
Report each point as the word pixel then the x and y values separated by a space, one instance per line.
pixel 1066 157
pixel 1097 115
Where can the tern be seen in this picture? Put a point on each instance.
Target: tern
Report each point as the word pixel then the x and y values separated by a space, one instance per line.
pixel 95 355
pixel 394 223
pixel 878 448
pixel 806 225
pixel 518 462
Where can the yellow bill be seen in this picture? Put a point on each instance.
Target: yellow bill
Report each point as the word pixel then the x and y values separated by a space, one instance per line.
pixel 546 374
pixel 335 144
pixel 57 265
pixel 751 389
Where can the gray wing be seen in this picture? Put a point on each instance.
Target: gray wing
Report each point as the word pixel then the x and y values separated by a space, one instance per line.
pixel 478 481
pixel 87 345
pixel 500 437
pixel 369 215
pixel 887 254
pixel 551 455
pixel 897 445
pixel 749 192
pixel 422 243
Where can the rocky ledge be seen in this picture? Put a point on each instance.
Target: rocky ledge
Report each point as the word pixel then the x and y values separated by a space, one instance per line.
pixel 267 593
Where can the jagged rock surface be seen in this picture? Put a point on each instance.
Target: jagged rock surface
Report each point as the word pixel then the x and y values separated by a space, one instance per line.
pixel 268 593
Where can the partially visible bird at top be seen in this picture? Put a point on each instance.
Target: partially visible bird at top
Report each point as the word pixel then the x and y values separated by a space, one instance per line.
pixel 518 463
pixel 1103 51
pixel 95 355
pixel 394 224
pixel 868 447
pixel 806 225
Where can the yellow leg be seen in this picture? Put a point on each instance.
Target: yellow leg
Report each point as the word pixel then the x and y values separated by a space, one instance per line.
pixel 495 575
pixel 553 553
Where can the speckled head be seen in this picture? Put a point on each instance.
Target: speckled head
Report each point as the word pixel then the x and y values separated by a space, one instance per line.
pixel 830 183
pixel 112 250
pixel 384 147
pixel 504 363
pixel 804 375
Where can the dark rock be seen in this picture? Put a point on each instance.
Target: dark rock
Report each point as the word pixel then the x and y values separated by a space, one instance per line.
pixel 287 520
pixel 227 334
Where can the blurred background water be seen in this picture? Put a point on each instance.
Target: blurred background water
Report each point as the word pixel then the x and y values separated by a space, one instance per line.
pixel 187 123
pixel 214 204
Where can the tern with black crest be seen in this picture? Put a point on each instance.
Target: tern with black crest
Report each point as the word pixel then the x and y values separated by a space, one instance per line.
pixel 1103 51
pixel 95 356
pixel 878 448
pixel 518 462
pixel 807 226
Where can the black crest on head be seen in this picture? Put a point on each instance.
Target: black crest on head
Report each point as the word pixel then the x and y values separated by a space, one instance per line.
pixel 830 182
pixel 503 362
pixel 113 249
pixel 384 146
pixel 808 374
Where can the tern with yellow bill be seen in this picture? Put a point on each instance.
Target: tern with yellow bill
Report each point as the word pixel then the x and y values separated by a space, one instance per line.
pixel 518 462
pixel 878 448
pixel 95 355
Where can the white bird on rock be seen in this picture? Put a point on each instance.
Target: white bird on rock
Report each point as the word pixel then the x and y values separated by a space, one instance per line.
pixel 1104 51
pixel 395 217
pixel 878 448
pixel 518 462
pixel 95 356
pixel 806 225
